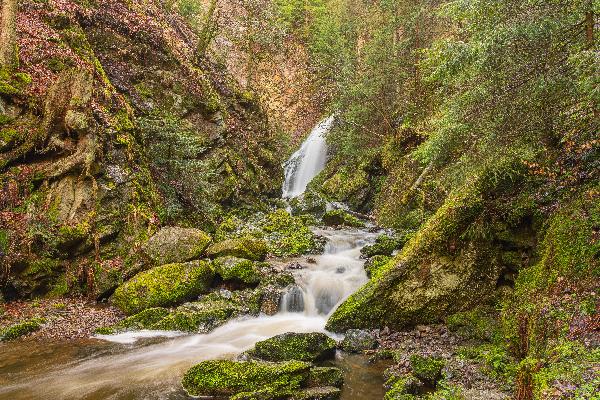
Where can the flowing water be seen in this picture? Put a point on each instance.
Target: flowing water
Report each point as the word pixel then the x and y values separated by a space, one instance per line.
pixel 308 161
pixel 149 365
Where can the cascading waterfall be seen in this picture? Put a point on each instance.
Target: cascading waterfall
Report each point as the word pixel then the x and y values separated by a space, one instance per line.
pixel 123 368
pixel 308 161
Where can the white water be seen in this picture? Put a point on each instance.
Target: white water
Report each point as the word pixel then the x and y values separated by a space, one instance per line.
pixel 128 369
pixel 308 161
pixel 153 370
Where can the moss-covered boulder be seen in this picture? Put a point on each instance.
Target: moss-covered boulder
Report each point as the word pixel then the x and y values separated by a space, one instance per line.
pixel 440 271
pixel 403 387
pixel 199 317
pixel 295 346
pixel 310 202
pixel 237 269
pixel 341 218
pixel 244 247
pixel 176 245
pixel 164 286
pixel 228 378
pixel 21 329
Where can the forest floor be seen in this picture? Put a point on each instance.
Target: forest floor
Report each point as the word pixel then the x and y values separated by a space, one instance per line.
pixel 64 318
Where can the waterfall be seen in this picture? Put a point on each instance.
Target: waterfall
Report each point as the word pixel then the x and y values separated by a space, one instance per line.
pixel 308 161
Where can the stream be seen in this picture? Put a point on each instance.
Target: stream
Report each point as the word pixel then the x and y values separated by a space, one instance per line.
pixel 149 365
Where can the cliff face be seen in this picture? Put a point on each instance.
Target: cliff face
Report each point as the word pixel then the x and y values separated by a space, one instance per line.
pixel 110 127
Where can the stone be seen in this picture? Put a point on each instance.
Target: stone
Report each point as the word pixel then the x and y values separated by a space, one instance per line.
pixel 176 245
pixel 245 247
pixel 357 341
pixel 228 378
pixel 236 269
pixel 295 346
pixel 164 286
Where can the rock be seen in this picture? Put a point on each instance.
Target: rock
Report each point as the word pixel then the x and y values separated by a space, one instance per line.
pixel 318 393
pixel 375 264
pixel 246 247
pixel 271 299
pixel 176 245
pixel 236 269
pixel 428 370
pixel 295 346
pixel 163 286
pixel 199 317
pixel 356 341
pixel 295 266
pixel 402 387
pixel 228 378
pixel 341 218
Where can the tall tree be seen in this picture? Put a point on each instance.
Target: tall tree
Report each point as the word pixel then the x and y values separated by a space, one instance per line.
pixel 8 35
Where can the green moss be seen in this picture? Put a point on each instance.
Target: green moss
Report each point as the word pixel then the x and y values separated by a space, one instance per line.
pixel 200 317
pixel 375 264
pixel 428 370
pixel 402 387
pixel 341 218
pixel 326 376
pixel 244 247
pixel 164 286
pixel 21 329
pixel 288 235
pixel 384 245
pixel 295 346
pixel 475 324
pixel 237 269
pixel 227 378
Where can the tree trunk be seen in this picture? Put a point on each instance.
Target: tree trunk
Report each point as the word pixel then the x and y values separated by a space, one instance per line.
pixel 8 35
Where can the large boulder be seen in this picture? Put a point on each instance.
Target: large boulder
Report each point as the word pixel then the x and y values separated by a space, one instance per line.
pixel 244 247
pixel 164 286
pixel 384 246
pixel 341 218
pixel 295 346
pixel 228 378
pixel 176 245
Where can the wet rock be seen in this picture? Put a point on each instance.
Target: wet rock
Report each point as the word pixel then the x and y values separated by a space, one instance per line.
pixel 308 203
pixel 163 286
pixel 295 266
pixel 356 341
pixel 295 346
pixel 176 245
pixel 271 299
pixel 246 247
pixel 318 393
pixel 341 218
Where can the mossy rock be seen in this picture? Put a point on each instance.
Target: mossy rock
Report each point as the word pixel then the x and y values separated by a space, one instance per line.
pixel 475 324
pixel 245 247
pixel 295 346
pixel 375 264
pixel 21 329
pixel 310 202
pixel 427 369
pixel 237 269
pixel 384 246
pixel 164 286
pixel 341 218
pixel 318 393
pixel 326 376
pixel 199 317
pixel 288 235
pixel 228 378
pixel 176 245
